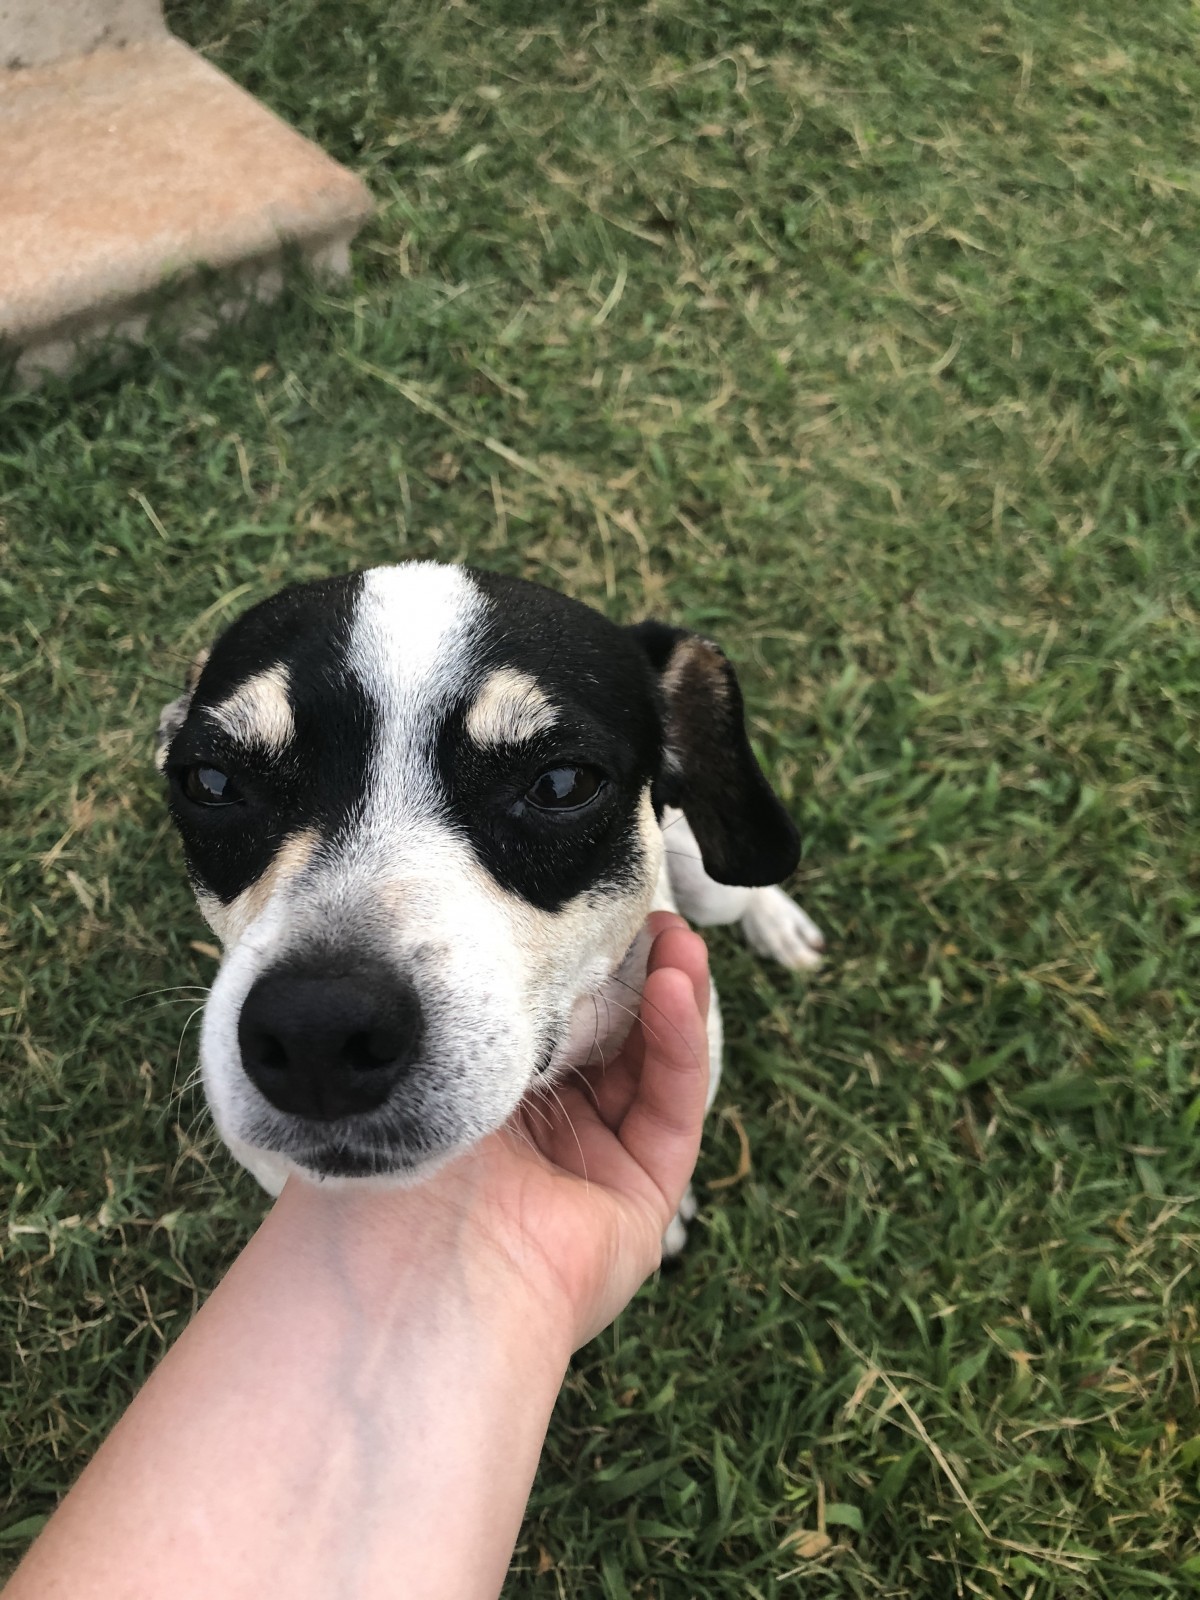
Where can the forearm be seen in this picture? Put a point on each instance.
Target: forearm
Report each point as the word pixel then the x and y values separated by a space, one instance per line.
pixel 359 1409
pixel 344 1417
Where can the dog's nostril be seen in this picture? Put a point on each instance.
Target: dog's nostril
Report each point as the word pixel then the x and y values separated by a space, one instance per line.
pixel 367 1052
pixel 271 1053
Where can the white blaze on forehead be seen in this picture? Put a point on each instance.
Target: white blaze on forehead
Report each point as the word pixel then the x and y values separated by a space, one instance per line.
pixel 411 632
pixel 410 648
pixel 258 712
pixel 509 709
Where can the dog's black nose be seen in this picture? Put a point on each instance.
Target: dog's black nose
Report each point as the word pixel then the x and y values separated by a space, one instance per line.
pixel 327 1046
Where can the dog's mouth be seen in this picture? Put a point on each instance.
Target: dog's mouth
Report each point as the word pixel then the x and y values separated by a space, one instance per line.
pixel 327 1155
pixel 347 1162
pixel 394 1142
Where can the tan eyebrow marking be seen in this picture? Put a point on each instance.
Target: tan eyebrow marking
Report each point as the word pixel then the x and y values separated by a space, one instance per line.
pixel 509 709
pixel 173 716
pixel 258 712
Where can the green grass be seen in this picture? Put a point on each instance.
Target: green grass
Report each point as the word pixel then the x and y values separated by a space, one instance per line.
pixel 864 338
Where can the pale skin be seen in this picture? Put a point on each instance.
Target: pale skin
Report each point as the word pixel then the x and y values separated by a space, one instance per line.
pixel 359 1408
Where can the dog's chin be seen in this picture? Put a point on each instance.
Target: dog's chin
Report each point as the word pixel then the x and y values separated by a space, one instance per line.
pixel 336 1166
pixel 339 1168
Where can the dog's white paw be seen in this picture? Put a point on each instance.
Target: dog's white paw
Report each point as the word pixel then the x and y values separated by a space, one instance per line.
pixel 676 1235
pixel 774 925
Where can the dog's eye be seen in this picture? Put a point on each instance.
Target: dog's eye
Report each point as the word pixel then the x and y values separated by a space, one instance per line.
pixel 205 786
pixel 565 788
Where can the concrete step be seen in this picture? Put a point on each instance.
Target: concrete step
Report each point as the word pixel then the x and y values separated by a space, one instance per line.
pixel 128 168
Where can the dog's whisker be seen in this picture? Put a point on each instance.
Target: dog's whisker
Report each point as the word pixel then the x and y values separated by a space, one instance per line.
pixel 175 1000
pixel 200 1133
pixel 188 1086
pixel 589 1088
pixel 619 1005
pixel 199 1129
pixel 523 1135
pixel 183 1035
pixel 536 1094
pixel 558 1100
pixel 637 1017
pixel 171 988
pixel 674 1026
pixel 595 1044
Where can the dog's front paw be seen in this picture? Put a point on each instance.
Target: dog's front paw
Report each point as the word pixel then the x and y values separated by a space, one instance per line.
pixel 675 1237
pixel 774 925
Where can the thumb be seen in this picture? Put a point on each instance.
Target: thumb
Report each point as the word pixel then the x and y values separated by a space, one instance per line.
pixel 661 1130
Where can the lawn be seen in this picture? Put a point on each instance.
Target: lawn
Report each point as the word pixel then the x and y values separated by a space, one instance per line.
pixel 865 338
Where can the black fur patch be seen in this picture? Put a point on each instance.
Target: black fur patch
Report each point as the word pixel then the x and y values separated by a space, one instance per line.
pixel 318 780
pixel 607 718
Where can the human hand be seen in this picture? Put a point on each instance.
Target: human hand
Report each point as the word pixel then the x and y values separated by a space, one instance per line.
pixel 563 1210
pixel 578 1190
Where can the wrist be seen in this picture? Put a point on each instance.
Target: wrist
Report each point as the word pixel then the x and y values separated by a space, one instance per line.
pixel 430 1250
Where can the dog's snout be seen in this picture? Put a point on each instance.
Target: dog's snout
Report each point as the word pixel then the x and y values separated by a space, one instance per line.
pixel 326 1046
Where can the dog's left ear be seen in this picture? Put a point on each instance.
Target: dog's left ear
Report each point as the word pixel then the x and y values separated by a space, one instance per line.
pixel 709 770
pixel 174 715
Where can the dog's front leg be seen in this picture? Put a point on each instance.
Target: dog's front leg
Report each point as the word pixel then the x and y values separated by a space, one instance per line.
pixel 774 925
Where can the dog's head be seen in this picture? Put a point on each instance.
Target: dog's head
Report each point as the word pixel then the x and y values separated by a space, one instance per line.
pixel 419 807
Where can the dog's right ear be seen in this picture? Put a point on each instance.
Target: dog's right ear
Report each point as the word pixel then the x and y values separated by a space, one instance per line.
pixel 174 715
pixel 709 770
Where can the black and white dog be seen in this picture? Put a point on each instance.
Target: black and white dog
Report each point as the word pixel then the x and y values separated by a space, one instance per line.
pixel 426 810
